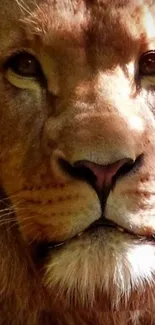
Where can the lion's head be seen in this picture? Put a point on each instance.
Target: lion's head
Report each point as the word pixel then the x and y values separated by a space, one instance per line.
pixel 77 138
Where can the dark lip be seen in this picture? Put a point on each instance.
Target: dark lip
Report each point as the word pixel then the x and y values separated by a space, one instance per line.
pixel 43 249
pixel 101 222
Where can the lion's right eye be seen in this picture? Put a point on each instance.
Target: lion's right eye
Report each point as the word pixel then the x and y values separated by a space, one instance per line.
pixel 23 70
pixel 24 64
pixel 147 64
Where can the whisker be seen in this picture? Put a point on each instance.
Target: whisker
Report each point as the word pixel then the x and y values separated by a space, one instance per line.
pixel 14 222
pixel 7 221
pixel 34 240
pixel 6 214
pixel 7 209
pixel 4 200
pixel 13 211
pixel 23 7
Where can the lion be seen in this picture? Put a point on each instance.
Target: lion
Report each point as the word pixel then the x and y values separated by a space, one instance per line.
pixel 77 162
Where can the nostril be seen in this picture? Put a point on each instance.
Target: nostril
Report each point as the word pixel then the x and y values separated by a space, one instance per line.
pixel 101 177
pixel 104 175
pixel 79 170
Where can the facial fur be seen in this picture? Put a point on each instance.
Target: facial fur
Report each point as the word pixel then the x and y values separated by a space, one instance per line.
pixel 88 102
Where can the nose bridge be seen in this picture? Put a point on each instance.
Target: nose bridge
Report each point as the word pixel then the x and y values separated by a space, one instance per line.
pixel 102 138
pixel 113 89
pixel 109 123
pixel 107 91
pixel 101 124
pixel 107 101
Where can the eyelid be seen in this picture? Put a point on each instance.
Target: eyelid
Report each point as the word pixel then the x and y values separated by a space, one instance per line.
pixel 14 52
pixel 26 83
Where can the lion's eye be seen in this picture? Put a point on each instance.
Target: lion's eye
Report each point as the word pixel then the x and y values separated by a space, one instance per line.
pixel 147 63
pixel 24 64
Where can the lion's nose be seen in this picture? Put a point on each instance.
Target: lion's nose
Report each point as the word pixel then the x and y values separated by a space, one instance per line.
pixel 103 176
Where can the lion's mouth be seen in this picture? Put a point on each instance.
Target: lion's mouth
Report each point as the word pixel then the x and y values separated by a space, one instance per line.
pixel 97 224
pixel 43 249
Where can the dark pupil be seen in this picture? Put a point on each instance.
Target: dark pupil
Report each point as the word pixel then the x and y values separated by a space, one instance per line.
pixel 147 63
pixel 25 65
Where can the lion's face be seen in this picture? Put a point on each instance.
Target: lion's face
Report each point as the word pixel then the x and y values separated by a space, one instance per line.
pixel 77 136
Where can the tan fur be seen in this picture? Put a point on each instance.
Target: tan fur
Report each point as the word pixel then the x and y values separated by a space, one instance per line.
pixel 92 107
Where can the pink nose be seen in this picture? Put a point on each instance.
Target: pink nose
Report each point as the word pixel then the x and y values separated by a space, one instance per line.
pixel 104 174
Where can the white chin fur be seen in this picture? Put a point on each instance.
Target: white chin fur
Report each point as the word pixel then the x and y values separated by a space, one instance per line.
pixel 111 262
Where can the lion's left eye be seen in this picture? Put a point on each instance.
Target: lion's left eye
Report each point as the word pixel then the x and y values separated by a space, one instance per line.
pixel 147 63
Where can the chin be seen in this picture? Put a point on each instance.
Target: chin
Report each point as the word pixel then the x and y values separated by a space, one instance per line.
pixel 104 268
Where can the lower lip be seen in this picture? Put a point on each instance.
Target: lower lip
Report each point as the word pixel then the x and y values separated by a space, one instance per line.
pixel 96 228
pixel 44 248
pixel 90 229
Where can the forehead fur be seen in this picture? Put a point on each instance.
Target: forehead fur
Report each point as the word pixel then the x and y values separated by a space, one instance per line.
pixel 79 23
pixel 82 23
pixel 65 14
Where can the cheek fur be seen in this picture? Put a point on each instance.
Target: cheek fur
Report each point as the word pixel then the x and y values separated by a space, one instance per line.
pixel 58 212
pixel 132 204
